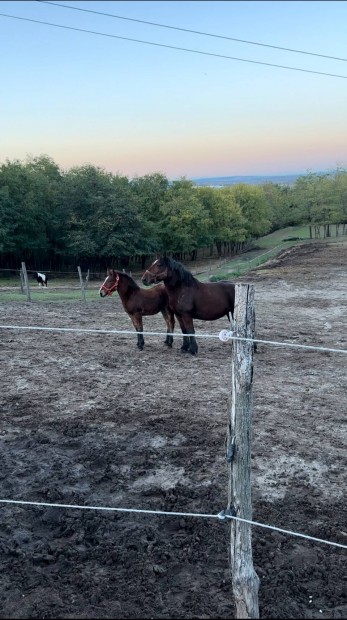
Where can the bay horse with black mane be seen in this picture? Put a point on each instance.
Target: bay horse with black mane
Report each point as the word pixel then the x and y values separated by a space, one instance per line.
pixel 138 302
pixel 190 299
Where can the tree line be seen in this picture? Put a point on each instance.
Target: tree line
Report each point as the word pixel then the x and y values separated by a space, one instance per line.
pixel 54 219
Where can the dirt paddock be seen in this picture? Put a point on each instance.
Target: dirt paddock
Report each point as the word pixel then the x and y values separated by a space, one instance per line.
pixel 88 419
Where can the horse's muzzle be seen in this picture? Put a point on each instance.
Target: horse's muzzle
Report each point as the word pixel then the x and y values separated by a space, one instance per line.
pixel 147 280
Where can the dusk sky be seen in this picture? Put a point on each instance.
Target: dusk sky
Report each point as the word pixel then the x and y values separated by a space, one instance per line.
pixel 133 108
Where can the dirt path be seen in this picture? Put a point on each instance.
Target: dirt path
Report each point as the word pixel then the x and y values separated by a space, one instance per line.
pixel 88 419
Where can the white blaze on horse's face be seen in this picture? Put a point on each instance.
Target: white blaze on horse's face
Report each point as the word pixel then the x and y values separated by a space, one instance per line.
pixel 156 272
pixel 102 291
pixel 107 290
pixel 153 265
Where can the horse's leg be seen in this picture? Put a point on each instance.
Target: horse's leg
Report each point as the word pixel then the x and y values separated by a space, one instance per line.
pixel 170 324
pixel 185 345
pixel 189 325
pixel 166 319
pixel 137 323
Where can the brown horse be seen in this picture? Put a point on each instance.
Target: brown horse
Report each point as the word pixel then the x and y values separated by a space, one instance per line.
pixel 190 299
pixel 138 302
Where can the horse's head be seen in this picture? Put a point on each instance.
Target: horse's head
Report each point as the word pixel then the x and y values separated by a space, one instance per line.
pixel 110 283
pixel 156 272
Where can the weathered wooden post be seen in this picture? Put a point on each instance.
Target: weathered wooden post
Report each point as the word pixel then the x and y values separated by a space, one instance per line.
pixel 26 281
pixel 81 283
pixel 22 284
pixel 245 581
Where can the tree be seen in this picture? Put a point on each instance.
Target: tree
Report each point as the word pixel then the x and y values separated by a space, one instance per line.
pixel 46 181
pixel 280 200
pixel 255 209
pixel 102 215
pixel 25 199
pixel 340 194
pixel 227 221
pixel 185 224
pixel 151 192
pixel 317 202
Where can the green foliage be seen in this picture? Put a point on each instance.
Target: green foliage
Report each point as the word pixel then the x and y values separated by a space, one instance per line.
pixel 254 208
pixel 318 199
pixel 280 201
pixel 52 218
pixel 227 222
pixel 185 223
pixel 28 200
pixel 151 192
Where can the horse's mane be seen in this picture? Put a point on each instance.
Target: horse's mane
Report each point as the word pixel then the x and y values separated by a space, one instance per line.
pixel 182 274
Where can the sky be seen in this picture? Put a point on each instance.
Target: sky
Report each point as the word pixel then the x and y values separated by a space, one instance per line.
pixel 208 109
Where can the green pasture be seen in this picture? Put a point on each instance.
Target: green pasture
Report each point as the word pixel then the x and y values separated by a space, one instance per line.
pixel 57 290
pixel 265 248
pixel 268 242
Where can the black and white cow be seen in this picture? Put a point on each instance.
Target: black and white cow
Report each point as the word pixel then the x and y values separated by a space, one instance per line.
pixel 41 278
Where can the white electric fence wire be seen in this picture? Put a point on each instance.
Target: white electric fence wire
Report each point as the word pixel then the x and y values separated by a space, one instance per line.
pixel 221 516
pixel 177 335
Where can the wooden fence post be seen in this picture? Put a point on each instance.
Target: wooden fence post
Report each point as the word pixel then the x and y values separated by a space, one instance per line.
pixel 22 283
pixel 81 283
pixel 26 281
pixel 245 581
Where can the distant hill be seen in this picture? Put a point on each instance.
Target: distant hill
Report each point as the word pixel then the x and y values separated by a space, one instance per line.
pixel 284 179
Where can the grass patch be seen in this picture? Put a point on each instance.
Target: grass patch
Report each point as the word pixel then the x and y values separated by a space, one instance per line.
pixel 47 295
pixel 267 247
pixel 291 233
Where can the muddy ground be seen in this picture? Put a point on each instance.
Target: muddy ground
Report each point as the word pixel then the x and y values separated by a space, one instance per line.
pixel 88 419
